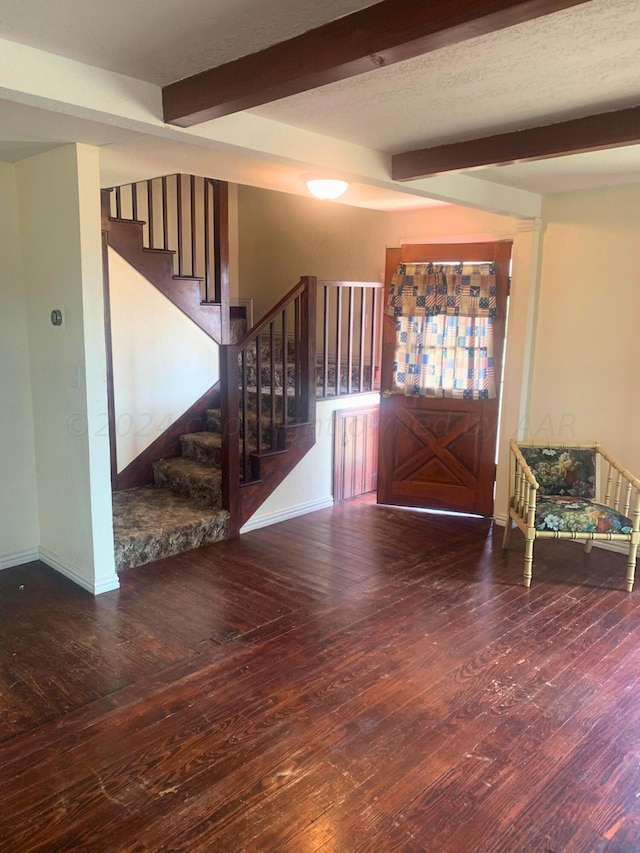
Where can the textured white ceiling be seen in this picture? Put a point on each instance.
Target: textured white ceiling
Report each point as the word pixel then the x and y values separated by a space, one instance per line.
pixel 162 40
pixel 577 62
pixel 24 124
pixel 571 63
pixel 564 174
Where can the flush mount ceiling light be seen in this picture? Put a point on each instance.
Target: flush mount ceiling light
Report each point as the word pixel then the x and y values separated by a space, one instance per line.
pixel 326 188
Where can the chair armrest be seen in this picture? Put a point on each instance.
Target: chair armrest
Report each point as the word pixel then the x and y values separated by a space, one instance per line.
pixel 626 474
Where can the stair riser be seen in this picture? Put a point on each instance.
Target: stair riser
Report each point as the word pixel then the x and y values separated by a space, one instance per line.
pixel 201 452
pixel 129 554
pixel 204 492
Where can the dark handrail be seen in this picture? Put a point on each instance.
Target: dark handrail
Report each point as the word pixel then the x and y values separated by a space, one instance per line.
pixel 273 314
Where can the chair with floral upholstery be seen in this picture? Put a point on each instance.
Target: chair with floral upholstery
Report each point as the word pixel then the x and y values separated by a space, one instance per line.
pixel 556 493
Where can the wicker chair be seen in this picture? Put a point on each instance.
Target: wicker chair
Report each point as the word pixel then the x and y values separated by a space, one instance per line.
pixel 553 494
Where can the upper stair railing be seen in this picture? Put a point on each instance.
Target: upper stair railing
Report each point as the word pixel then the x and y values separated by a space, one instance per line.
pixel 268 383
pixel 349 332
pixel 185 214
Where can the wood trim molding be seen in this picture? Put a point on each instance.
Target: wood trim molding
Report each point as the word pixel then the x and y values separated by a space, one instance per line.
pixel 591 133
pixel 379 35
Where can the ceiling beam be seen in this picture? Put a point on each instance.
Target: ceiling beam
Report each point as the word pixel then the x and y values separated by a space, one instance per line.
pixel 592 133
pixel 379 35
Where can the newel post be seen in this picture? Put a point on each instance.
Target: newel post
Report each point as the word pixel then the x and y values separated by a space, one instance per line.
pixel 230 451
pixel 308 306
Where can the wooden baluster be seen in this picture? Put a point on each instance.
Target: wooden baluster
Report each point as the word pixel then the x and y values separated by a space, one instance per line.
pixel 243 425
pixel 134 201
pixel 627 498
pixel 363 320
pixel 350 339
pixel 325 341
pixel 259 392
pixel 296 359
pixel 118 203
pixel 179 221
pixel 192 224
pixel 221 240
pixel 338 339
pixel 150 213
pixel 308 331
pixel 272 365
pixel 285 367
pixel 207 225
pixel 165 221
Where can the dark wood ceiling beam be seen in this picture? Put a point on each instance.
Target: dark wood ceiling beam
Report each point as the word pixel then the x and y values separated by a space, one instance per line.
pixel 382 34
pixel 592 133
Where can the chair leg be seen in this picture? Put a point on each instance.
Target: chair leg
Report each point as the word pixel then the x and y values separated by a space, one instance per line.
pixel 631 566
pixel 528 559
pixel 588 545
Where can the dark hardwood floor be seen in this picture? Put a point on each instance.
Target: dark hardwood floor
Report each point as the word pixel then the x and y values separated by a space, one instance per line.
pixel 359 679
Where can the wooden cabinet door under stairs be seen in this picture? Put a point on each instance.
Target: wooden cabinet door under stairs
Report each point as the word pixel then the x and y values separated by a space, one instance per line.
pixel 355 469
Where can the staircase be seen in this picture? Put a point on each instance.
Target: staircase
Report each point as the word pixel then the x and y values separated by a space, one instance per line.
pixel 191 488
pixel 182 509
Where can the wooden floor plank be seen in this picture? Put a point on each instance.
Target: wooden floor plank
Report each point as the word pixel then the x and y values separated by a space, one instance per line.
pixel 363 678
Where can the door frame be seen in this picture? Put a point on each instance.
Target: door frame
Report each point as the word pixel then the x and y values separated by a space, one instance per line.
pixel 495 251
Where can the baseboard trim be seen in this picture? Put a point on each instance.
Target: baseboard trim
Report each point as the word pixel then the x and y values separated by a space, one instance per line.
pixel 73 573
pixel 282 515
pixel 8 561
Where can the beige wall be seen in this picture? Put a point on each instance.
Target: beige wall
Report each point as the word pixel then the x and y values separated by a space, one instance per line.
pixel 19 533
pixel 588 323
pixel 160 368
pixel 283 237
pixel 59 208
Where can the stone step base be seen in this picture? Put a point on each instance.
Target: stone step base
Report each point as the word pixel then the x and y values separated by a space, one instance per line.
pixel 150 523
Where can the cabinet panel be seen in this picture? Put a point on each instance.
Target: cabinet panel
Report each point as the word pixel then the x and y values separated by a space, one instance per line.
pixel 355 452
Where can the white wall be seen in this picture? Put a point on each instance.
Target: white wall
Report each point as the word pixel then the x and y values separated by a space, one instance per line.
pixel 19 531
pixel 310 485
pixel 162 362
pixel 59 204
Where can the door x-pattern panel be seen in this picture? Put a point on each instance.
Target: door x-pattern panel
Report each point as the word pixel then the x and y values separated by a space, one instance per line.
pixel 438 446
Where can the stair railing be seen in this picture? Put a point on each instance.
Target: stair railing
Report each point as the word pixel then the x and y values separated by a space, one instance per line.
pixel 349 323
pixel 268 382
pixel 186 214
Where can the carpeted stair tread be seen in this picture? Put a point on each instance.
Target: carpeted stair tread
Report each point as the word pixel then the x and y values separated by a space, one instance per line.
pixel 190 478
pixel 150 523
pixel 204 447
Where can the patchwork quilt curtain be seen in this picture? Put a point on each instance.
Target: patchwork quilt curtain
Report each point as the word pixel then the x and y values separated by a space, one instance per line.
pixel 444 330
